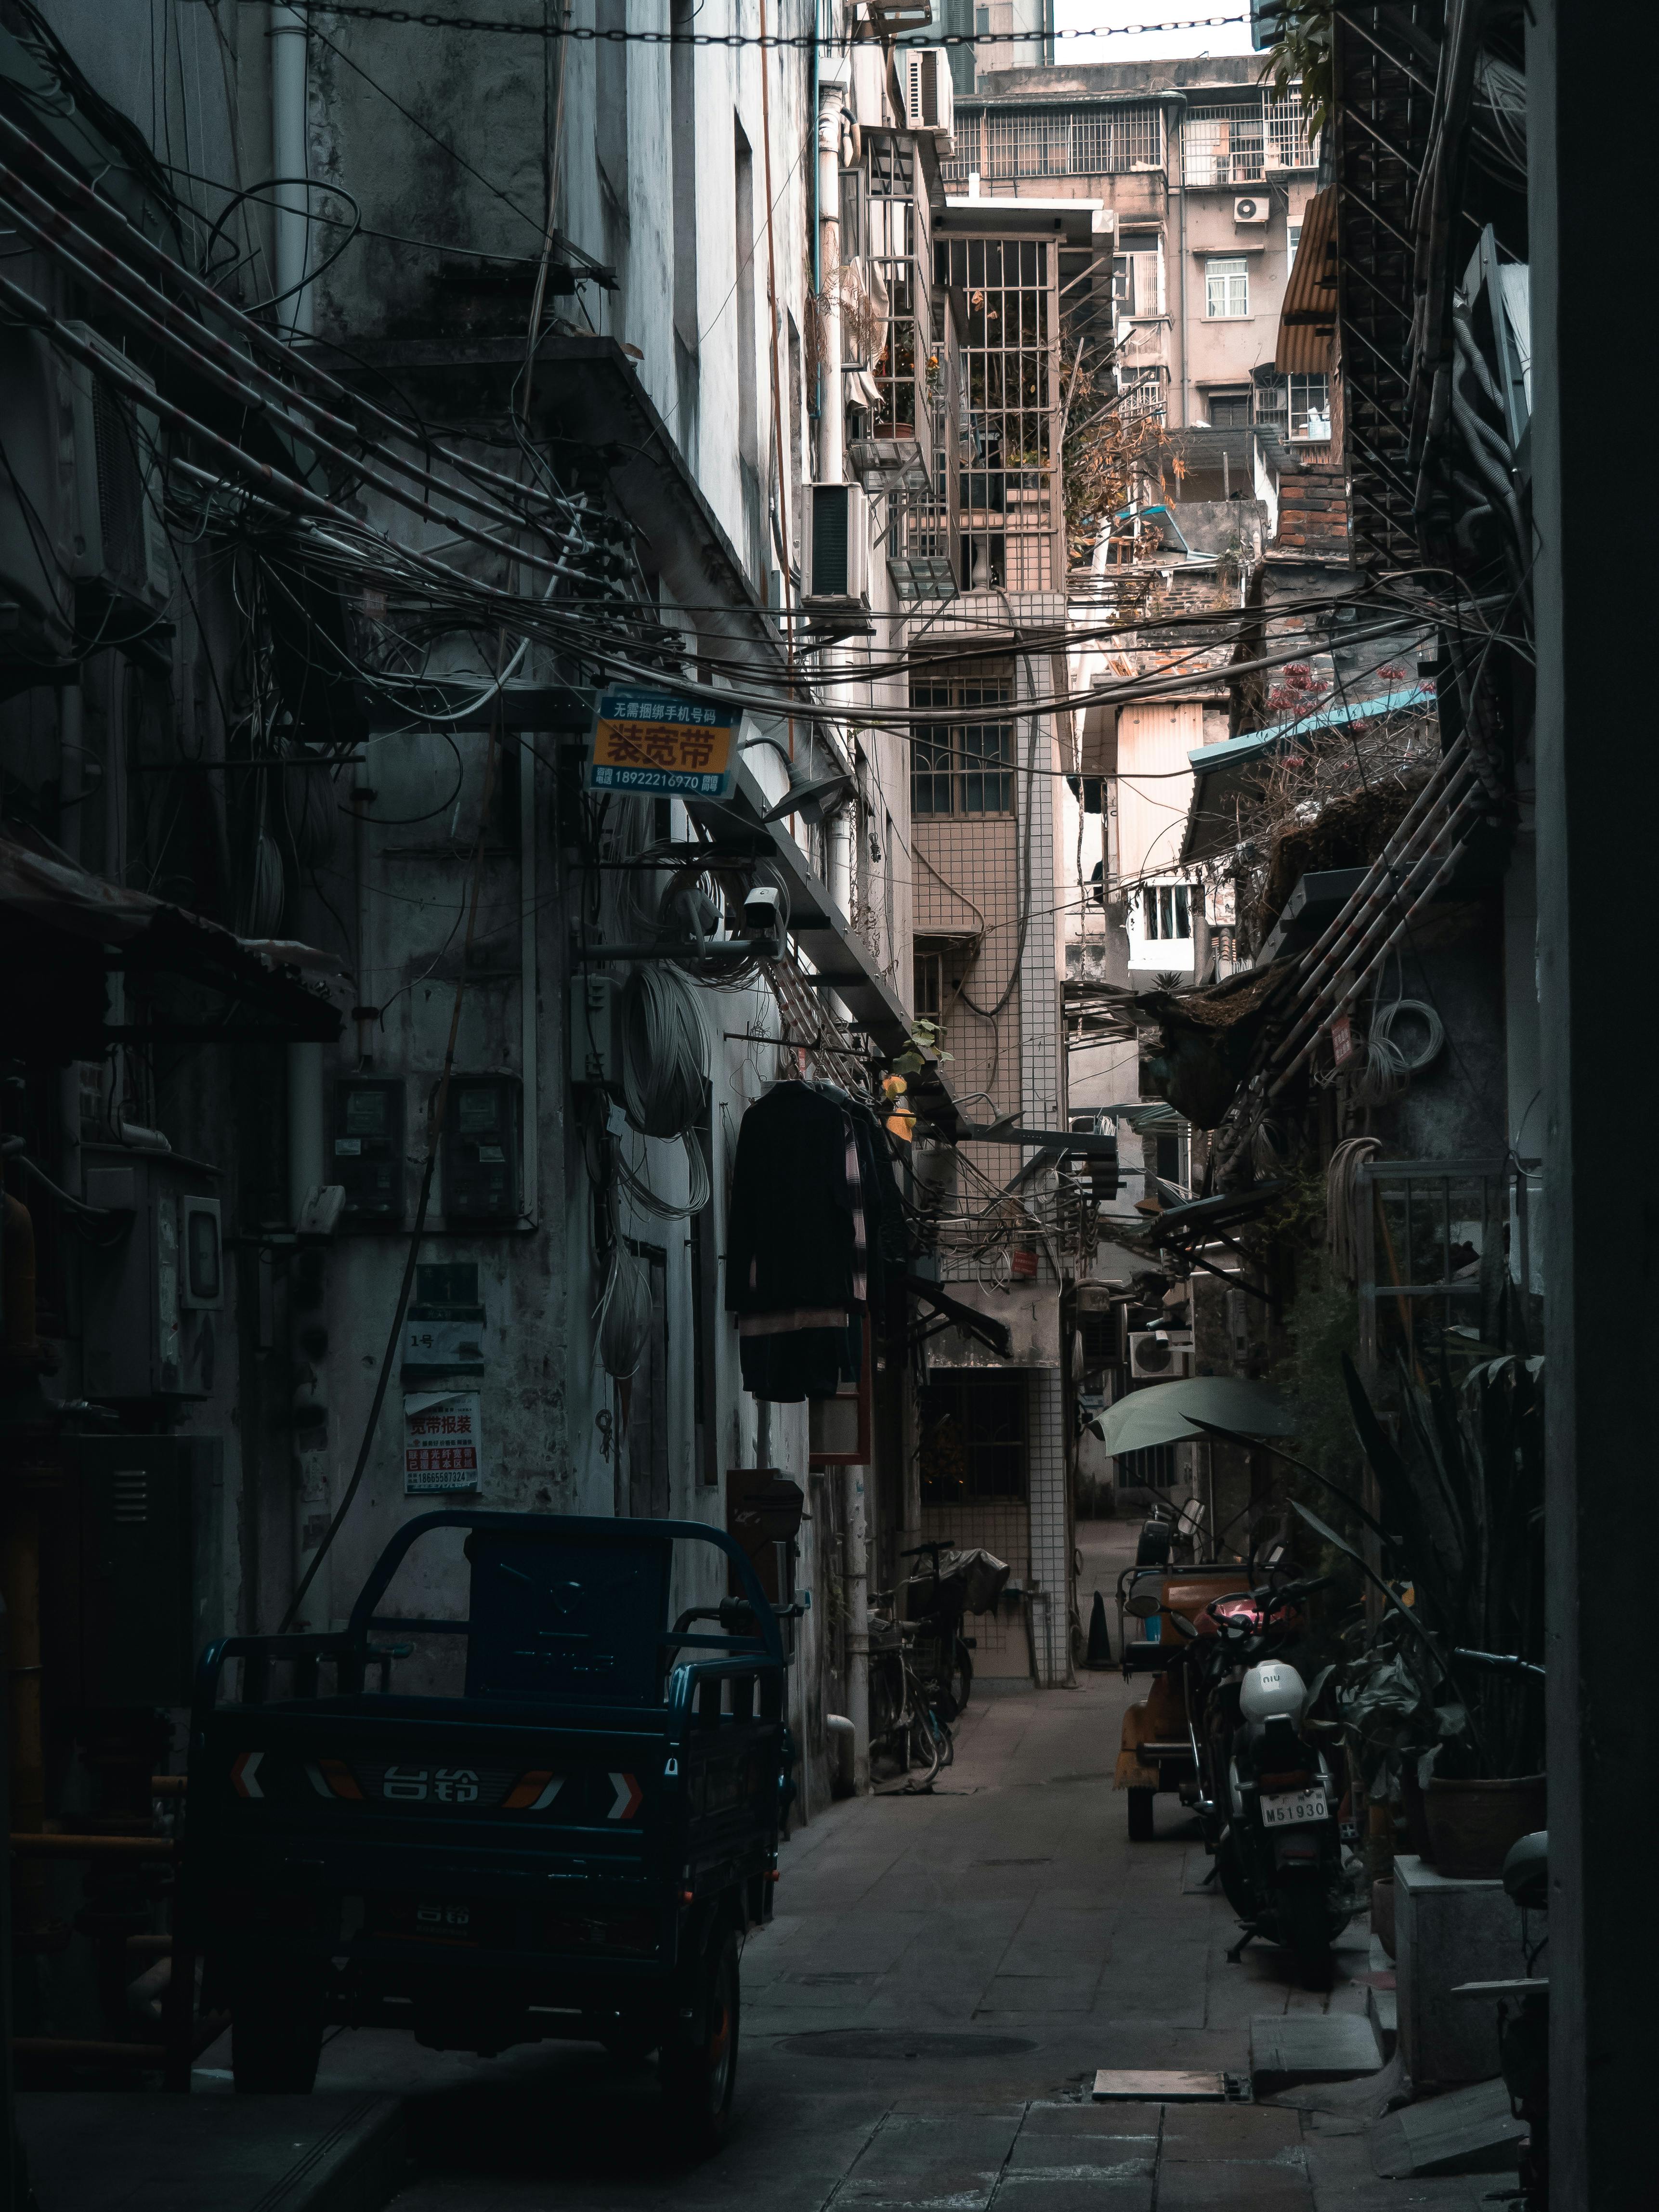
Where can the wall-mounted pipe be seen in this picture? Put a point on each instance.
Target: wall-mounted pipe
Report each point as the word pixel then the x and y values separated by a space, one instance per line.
pixel 292 220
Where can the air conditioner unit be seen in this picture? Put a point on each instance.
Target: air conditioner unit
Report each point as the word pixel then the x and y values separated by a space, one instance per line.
pixel 117 535
pixel 1159 1355
pixel 1256 209
pixel 838 544
pixel 928 94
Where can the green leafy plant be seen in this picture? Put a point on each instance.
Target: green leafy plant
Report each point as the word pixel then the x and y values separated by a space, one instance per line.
pixel 1302 53
pixel 1462 1495
pixel 925 1043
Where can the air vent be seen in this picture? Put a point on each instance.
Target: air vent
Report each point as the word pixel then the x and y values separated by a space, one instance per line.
pixel 130 1496
pixel 839 544
pixel 928 95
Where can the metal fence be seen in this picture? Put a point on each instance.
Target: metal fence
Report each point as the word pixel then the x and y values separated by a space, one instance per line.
pixel 1055 143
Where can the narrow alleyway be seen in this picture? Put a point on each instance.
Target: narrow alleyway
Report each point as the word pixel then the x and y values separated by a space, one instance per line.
pixel 923 2020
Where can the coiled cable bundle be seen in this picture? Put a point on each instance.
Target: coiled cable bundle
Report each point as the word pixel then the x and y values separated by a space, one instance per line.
pixel 1429 1051
pixel 1388 1067
pixel 625 1313
pixel 665 1072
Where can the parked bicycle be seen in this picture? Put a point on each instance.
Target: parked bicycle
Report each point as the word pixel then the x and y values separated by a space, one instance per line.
pixel 921 1666
pixel 904 1725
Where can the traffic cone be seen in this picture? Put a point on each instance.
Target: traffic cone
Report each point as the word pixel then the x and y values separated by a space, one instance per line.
pixel 1100 1643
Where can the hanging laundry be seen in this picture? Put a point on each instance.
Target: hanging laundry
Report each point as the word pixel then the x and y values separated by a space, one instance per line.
pixel 798 1247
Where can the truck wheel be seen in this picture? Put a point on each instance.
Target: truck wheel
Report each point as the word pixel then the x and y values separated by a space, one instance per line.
pixel 1140 1814
pixel 698 2062
pixel 275 2030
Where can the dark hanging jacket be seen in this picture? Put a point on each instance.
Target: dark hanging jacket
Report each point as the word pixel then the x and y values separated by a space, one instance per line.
pixel 789 1231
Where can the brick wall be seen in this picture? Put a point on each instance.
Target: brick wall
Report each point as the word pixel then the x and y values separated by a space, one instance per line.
pixel 1313 509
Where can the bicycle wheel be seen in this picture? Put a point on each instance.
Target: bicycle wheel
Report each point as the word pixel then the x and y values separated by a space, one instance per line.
pixel 947 1750
pixel 926 1750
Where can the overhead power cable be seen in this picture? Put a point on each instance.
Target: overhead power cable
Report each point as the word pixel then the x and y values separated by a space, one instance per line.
pixel 132 247
pixel 151 312
pixel 587 34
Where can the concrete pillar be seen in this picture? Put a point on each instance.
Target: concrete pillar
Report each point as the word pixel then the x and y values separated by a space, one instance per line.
pixel 858 1622
pixel 1595 691
pixel 1051 1543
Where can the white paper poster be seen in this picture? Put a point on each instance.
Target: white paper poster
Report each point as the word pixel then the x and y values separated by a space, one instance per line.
pixel 442 1441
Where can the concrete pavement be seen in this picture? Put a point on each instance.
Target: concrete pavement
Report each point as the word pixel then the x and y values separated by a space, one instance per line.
pixel 923 2020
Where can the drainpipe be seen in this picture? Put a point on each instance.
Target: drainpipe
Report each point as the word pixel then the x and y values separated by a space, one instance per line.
pixel 816 405
pixel 832 89
pixel 858 1625
pixel 833 85
pixel 291 222
pixel 1177 102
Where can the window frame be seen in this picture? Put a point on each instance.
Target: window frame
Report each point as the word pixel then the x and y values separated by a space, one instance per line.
pixel 1229 270
pixel 962 760
pixel 1309 411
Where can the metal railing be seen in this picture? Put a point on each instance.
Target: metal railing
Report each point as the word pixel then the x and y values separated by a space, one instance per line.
pixel 1055 143
pixel 1239 143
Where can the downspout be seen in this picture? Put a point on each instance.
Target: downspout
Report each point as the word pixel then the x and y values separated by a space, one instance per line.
pixel 816 406
pixel 832 92
pixel 1177 100
pixel 833 87
pixel 311 1501
pixel 289 165
pixel 288 43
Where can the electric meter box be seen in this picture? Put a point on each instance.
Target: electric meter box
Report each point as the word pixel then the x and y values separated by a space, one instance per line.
pixel 482 1150
pixel 367 1150
pixel 154 1295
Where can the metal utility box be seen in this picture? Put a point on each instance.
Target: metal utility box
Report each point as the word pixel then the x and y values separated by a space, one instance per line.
pixel 152 1299
pixel 481 1149
pixel 367 1150
pixel 129 1532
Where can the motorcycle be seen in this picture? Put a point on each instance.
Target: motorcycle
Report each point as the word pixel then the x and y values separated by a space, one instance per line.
pixel 1265 1794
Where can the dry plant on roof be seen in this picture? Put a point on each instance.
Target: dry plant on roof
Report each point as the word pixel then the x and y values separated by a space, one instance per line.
pixel 1329 800
pixel 1108 451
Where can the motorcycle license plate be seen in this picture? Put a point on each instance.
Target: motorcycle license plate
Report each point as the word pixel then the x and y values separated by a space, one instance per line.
pixel 1293 1808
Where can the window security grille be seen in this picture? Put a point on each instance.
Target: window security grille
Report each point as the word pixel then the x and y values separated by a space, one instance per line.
pixel 1055 143
pixel 1010 489
pixel 1240 142
pixel 1299 407
pixel 1166 911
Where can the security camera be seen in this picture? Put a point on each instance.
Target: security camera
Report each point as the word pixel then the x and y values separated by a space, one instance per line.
pixel 764 914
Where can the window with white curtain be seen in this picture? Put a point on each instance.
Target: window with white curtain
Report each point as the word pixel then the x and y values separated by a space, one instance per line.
pixel 1226 286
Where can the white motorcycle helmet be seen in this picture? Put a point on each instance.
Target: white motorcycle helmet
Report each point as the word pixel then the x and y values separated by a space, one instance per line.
pixel 1273 1690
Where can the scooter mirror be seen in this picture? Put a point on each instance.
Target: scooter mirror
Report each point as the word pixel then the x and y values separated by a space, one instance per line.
pixel 1182 1623
pixel 1143 1604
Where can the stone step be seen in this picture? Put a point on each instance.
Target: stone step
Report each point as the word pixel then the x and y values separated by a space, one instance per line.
pixel 1469 2131
pixel 1290 2049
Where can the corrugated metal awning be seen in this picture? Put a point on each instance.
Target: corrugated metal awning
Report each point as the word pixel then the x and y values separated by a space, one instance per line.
pixel 1307 320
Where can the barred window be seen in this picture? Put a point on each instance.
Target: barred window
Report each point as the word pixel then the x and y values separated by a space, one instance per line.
pixel 1055 143
pixel 964 767
pixel 1225 146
